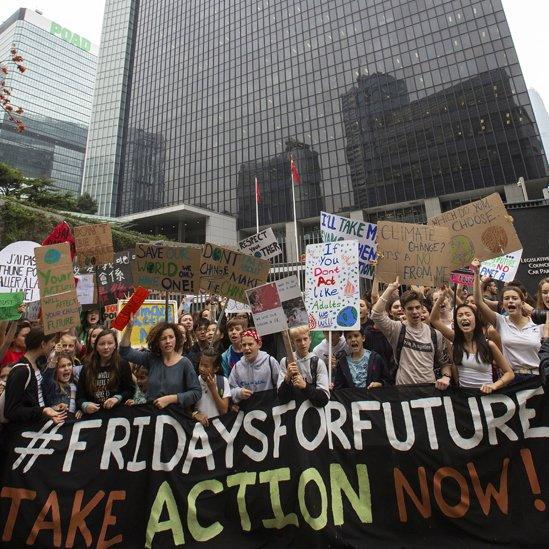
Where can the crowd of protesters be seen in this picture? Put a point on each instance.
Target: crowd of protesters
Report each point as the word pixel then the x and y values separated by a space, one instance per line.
pixel 484 339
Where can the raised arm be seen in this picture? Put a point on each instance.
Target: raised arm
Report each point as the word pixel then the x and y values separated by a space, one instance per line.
pixel 489 316
pixel 381 304
pixel 444 329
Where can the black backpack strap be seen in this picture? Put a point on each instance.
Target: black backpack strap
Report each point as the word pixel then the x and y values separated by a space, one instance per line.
pixel 400 344
pixel 434 340
pixel 273 380
pixel 314 369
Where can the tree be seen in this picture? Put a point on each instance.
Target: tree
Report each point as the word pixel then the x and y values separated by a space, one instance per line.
pixel 14 112
pixel 11 180
pixel 86 204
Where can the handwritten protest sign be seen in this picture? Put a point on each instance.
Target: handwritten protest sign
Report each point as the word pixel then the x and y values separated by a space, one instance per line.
pixel 463 277
pixel 32 311
pixel 277 306
pixel 168 268
pixel 502 268
pixel 234 307
pixel 150 313
pixel 94 243
pixel 60 312
pixel 85 289
pixel 54 269
pixel 9 305
pixel 114 280
pixel 263 245
pixel 334 227
pixel 418 254
pixel 229 273
pixel 481 229
pixel 18 269
pixel 332 286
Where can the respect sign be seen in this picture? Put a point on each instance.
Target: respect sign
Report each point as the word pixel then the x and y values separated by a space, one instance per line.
pixel 54 269
pixel 481 229
pixel 334 227
pixel 168 268
pixel 263 245
pixel 229 273
pixel 332 286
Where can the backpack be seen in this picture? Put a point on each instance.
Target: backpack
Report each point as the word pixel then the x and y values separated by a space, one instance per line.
pixel 3 418
pixel 400 345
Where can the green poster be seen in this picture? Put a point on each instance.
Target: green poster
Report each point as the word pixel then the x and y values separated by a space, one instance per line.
pixel 9 305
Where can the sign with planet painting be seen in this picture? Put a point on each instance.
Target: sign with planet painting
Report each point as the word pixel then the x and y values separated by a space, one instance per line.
pixel 332 285
pixel 481 229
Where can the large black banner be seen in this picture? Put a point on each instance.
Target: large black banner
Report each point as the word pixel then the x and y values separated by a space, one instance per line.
pixel 393 467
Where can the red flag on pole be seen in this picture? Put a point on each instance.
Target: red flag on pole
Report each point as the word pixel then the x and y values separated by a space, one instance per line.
pixel 257 192
pixel 296 179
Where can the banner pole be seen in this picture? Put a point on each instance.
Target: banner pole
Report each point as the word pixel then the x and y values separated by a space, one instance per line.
pixel 288 347
pixel 329 365
pixel 256 207
pixel 166 305
pixel 295 224
pixel 221 315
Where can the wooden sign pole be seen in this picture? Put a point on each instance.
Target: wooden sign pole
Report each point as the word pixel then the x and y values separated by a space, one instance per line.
pixel 288 346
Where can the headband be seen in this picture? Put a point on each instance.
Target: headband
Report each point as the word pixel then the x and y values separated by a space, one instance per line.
pixel 253 334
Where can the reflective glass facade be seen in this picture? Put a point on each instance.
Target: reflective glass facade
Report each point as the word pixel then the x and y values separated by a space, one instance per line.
pixel 380 102
pixel 55 93
pixel 109 99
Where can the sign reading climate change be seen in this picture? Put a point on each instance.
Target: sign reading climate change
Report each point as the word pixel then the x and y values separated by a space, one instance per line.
pixel 396 466
pixel 332 286
pixel 334 227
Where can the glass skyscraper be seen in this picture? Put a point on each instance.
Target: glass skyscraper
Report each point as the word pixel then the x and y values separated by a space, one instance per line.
pixel 385 106
pixel 55 93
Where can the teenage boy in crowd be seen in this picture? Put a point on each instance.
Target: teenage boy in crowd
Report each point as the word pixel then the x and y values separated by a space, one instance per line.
pixel 359 367
pixel 234 353
pixel 256 371
pixel 418 348
pixel 202 343
pixel 307 377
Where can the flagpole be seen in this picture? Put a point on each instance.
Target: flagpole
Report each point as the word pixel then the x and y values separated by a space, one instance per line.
pixel 295 222
pixel 256 207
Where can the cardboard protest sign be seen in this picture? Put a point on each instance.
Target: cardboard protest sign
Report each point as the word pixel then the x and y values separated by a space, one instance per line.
pixel 168 268
pixel 462 277
pixel 332 286
pixel 277 306
pixel 60 312
pixel 32 312
pixel 502 268
pixel 334 227
pixel 109 311
pixel 18 269
pixel 94 243
pixel 263 245
pixel 418 254
pixel 9 305
pixel 481 229
pixel 85 289
pixel 114 280
pixel 54 269
pixel 150 313
pixel 234 307
pixel 229 273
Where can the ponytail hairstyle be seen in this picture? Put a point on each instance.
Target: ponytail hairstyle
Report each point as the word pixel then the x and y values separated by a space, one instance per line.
pixel 540 304
pixel 483 354
pixel 93 367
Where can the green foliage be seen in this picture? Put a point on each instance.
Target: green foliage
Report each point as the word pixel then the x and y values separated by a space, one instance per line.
pixel 21 222
pixel 86 204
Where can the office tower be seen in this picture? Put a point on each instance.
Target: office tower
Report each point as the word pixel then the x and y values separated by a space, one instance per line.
pixel 401 108
pixel 55 93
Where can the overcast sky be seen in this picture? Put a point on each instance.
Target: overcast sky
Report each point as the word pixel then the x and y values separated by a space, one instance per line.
pixel 528 20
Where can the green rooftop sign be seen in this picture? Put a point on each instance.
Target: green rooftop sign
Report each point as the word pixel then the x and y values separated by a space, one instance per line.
pixel 70 37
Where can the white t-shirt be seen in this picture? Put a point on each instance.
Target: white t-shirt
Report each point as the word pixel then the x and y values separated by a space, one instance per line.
pixel 520 345
pixel 321 350
pixel 474 374
pixel 206 404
